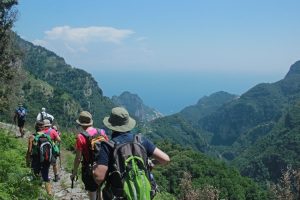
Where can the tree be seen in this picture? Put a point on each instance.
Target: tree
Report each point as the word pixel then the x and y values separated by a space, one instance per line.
pixel 7 56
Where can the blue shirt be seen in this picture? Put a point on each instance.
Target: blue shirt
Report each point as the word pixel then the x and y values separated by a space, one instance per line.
pixel 120 138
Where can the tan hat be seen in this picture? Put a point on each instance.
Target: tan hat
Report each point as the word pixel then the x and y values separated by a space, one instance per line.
pixel 47 123
pixel 85 119
pixel 119 120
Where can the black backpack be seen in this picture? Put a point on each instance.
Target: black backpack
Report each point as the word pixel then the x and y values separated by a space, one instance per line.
pixel 21 113
pixel 130 176
pixel 46 116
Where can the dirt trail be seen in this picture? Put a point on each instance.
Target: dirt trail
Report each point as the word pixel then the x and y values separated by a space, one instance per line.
pixel 62 189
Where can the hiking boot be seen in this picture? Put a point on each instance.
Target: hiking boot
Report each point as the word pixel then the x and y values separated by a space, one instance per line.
pixel 56 178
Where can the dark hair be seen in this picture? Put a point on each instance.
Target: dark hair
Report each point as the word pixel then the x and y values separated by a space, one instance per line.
pixel 39 125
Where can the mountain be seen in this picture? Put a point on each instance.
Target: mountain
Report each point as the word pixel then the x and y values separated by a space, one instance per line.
pixel 135 105
pixel 256 112
pixel 257 132
pixel 48 81
pixel 280 147
pixel 206 106
pixel 182 128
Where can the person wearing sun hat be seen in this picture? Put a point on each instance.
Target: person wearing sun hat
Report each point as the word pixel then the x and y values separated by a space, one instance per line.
pixel 121 125
pixel 48 130
pixel 85 120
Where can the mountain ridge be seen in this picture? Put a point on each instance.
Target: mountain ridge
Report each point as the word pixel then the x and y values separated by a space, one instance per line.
pixel 135 105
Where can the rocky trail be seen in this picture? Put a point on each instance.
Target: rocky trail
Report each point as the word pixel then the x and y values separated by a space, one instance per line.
pixel 62 189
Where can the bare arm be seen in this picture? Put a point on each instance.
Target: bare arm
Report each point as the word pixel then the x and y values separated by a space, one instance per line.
pixel 29 149
pixel 161 156
pixel 58 138
pixel 77 161
pixel 99 173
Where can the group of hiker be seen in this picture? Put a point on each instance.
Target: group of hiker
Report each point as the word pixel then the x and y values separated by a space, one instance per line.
pixel 111 168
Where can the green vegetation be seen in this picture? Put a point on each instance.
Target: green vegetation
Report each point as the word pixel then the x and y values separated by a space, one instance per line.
pixel 204 172
pixel 9 65
pixel 15 178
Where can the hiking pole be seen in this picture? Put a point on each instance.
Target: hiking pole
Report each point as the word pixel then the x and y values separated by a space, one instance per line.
pixel 60 161
pixel 59 155
pixel 72 184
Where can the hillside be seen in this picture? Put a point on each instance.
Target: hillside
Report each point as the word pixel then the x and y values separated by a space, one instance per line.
pixel 64 90
pixel 206 106
pixel 182 128
pixel 257 130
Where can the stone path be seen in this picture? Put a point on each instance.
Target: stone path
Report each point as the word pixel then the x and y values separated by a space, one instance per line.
pixel 62 189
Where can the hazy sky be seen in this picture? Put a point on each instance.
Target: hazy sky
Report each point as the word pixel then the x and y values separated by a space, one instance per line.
pixel 169 52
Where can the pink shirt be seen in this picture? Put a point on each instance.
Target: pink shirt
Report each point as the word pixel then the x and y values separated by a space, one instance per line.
pixel 53 133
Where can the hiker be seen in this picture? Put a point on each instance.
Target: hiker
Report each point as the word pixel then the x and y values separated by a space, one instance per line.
pixel 83 151
pixel 55 139
pixel 43 115
pixel 121 124
pixel 55 127
pixel 20 115
pixel 33 155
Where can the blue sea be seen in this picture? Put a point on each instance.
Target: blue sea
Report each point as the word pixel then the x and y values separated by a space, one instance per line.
pixel 170 92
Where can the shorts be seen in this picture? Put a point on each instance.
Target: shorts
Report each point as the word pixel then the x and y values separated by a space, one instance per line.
pixel 39 167
pixel 88 179
pixel 21 122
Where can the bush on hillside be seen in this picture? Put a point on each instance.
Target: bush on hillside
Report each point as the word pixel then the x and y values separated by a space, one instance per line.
pixel 15 177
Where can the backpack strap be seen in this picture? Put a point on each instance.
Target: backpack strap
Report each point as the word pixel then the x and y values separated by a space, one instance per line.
pixel 49 131
pixel 88 137
pixel 85 134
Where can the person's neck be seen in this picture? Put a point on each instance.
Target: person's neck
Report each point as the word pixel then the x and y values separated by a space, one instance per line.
pixel 86 127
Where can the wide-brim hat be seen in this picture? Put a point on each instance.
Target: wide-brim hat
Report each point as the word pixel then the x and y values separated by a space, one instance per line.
pixel 119 120
pixel 85 119
pixel 46 123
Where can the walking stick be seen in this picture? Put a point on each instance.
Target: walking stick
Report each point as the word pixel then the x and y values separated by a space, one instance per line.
pixel 72 184
pixel 60 161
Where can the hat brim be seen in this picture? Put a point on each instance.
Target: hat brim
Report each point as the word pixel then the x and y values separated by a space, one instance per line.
pixel 47 125
pixel 84 124
pixel 124 128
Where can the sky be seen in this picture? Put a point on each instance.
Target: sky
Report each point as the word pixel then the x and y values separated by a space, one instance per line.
pixel 170 53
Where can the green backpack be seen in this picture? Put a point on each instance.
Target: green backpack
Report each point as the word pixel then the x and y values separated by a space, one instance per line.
pixel 130 177
pixel 55 145
pixel 43 147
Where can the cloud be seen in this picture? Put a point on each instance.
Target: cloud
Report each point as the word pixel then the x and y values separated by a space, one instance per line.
pixel 88 34
pixel 40 42
pixel 96 46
